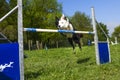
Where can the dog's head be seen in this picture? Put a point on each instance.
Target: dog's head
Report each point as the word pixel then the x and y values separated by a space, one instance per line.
pixel 62 23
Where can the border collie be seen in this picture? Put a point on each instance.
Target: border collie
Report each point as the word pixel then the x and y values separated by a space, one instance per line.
pixel 63 23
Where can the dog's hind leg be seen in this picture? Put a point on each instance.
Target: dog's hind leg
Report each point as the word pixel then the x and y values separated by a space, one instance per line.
pixel 72 44
pixel 79 45
pixel 76 39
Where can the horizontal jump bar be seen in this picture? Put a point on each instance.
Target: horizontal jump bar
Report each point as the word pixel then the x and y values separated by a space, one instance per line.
pixel 60 31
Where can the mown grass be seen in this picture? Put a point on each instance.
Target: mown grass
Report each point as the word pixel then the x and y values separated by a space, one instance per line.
pixel 62 64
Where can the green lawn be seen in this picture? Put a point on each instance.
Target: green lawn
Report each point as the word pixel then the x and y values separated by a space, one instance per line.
pixel 62 64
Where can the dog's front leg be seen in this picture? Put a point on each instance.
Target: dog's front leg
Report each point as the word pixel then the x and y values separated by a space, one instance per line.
pixel 72 44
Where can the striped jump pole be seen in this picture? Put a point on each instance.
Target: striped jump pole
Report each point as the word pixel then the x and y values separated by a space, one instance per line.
pixel 60 31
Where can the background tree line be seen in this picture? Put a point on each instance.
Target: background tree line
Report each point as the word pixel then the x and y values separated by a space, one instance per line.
pixel 116 33
pixel 41 14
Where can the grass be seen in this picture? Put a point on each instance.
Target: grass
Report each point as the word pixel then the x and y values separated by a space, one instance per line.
pixel 62 64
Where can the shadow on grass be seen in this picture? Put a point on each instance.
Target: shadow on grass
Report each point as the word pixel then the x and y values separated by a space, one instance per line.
pixel 31 74
pixel 80 61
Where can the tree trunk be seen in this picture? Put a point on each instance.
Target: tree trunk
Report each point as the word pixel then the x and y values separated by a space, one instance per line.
pixel 57 44
pixel 29 46
pixel 37 45
pixel 41 45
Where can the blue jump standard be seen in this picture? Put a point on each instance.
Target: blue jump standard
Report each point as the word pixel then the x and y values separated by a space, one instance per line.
pixel 104 52
pixel 9 61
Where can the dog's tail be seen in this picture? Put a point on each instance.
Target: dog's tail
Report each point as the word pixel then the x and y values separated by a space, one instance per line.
pixel 80 35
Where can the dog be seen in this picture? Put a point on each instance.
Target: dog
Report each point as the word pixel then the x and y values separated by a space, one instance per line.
pixel 63 23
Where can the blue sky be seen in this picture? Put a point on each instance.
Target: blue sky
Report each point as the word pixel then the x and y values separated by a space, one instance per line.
pixel 106 11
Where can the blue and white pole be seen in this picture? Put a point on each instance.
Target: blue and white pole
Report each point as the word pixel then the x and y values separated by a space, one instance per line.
pixel 60 31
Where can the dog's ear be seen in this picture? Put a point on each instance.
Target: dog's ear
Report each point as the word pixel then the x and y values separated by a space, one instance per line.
pixel 63 16
pixel 67 19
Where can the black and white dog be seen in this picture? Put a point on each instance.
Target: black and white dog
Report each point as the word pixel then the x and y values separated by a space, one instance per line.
pixel 64 24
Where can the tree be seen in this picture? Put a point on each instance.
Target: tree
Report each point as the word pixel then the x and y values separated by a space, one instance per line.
pixel 8 25
pixel 82 22
pixel 100 33
pixel 40 14
pixel 3 8
pixel 116 33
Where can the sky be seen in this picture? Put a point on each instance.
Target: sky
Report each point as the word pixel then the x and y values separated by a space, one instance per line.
pixel 106 11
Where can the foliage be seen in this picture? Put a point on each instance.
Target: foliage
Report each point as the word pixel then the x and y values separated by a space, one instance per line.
pixel 101 35
pixel 41 14
pixel 9 25
pixel 3 8
pixel 116 33
pixel 62 64
pixel 82 22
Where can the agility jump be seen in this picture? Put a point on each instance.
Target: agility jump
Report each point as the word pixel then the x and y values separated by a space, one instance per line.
pixel 102 56
pixel 98 46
